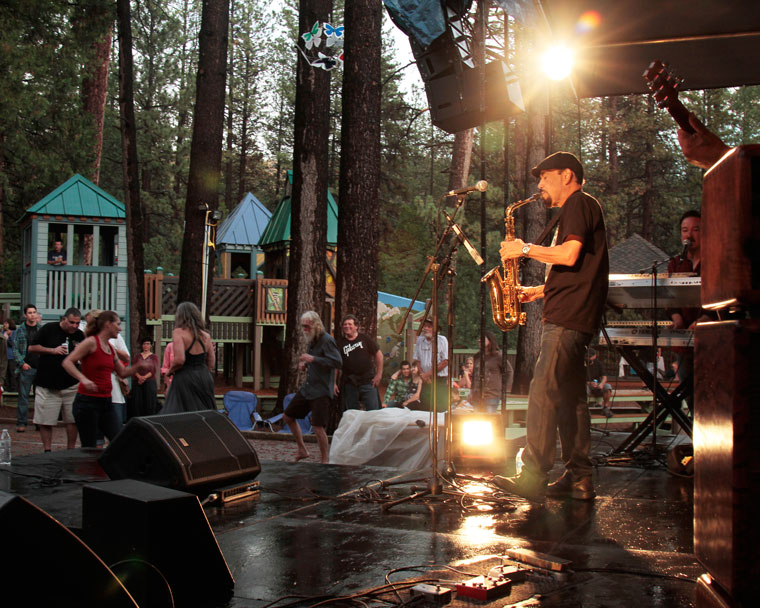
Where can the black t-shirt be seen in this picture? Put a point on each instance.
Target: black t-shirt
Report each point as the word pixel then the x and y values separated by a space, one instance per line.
pixel 358 358
pixel 594 370
pixel 575 296
pixel 50 372
pixel 32 359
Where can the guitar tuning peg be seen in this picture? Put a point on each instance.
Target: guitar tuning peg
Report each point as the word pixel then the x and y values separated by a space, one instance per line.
pixel 677 83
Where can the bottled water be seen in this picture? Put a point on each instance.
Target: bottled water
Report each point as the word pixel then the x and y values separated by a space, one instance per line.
pixel 5 447
pixel 519 461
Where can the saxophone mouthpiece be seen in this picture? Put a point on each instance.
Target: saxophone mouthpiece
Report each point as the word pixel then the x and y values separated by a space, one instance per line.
pixel 536 197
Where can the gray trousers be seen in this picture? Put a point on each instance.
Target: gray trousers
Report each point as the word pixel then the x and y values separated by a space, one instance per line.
pixel 557 400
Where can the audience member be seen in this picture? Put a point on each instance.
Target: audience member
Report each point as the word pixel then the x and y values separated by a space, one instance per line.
pixel 494 374
pixel 320 361
pixel 404 388
pixel 57 255
pixel 144 387
pixel 465 374
pixel 167 364
pixel 596 382
pixel 9 334
pixel 26 363
pixel 423 356
pixel 362 368
pixel 93 409
pixel 55 388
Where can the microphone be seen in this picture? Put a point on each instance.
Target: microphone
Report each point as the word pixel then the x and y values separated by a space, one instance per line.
pixel 481 186
pixel 686 243
pixel 464 240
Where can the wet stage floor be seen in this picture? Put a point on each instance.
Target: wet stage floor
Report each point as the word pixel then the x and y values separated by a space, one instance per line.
pixel 320 530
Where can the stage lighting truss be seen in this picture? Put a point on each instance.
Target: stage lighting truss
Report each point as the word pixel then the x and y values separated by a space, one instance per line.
pixel 463 30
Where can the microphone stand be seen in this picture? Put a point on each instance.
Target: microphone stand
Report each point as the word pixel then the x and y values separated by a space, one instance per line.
pixel 439 269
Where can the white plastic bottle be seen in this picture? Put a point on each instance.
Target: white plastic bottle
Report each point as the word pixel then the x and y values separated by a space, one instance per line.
pixel 519 461
pixel 5 447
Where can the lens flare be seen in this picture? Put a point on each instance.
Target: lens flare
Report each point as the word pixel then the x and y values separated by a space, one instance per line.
pixel 588 21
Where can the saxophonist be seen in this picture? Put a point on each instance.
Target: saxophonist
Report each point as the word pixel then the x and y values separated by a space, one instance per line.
pixel 574 295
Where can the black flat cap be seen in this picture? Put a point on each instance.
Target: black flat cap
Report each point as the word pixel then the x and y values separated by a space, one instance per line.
pixel 560 160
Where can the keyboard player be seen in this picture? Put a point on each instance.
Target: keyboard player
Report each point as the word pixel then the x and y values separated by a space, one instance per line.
pixel 687 318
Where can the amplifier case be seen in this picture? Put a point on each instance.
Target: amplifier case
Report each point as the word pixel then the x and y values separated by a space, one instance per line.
pixel 730 230
pixel 727 454
pixel 191 451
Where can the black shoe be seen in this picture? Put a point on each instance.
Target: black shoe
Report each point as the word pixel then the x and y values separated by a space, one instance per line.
pixel 607 411
pixel 567 487
pixel 522 485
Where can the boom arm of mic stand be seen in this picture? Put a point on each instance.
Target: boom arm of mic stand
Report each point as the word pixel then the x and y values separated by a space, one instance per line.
pixel 431 261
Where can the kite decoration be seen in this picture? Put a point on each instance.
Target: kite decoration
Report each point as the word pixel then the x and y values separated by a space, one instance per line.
pixel 332 57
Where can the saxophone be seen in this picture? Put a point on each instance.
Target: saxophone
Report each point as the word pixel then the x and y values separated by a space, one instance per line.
pixel 505 302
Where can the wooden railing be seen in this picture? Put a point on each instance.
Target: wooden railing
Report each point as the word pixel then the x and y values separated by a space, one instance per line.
pixel 228 298
pixel 85 288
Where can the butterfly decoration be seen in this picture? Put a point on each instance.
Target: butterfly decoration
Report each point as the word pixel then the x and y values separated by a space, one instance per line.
pixel 333 35
pixel 326 62
pixel 314 37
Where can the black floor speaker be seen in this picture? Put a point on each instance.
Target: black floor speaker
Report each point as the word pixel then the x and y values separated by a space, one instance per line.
pixel 61 569
pixel 158 542
pixel 194 451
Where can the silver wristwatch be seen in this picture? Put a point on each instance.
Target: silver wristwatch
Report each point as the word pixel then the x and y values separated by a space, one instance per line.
pixel 526 249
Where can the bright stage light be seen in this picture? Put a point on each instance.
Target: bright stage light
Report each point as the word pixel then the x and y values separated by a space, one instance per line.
pixel 557 62
pixel 478 439
pixel 477 432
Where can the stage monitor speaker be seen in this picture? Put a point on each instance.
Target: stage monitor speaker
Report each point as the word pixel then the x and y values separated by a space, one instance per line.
pixel 455 99
pixel 730 259
pixel 727 454
pixel 194 451
pixel 158 541
pixel 63 570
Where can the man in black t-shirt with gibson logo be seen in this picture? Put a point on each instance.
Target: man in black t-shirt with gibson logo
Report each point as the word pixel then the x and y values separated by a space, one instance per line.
pixel 575 294
pixel 362 367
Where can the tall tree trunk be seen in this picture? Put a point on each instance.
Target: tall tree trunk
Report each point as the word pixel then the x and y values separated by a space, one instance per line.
pixel 461 156
pixel 95 84
pixel 243 161
pixel 228 182
pixel 182 114
pixel 647 206
pixel 206 146
pixel 358 220
pixel 134 210
pixel 529 223
pixel 2 210
pixel 308 245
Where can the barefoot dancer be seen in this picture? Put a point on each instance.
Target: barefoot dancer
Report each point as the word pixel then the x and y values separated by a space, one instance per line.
pixel 320 361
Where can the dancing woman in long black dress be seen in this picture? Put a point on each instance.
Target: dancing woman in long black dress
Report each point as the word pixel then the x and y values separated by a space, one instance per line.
pixel 192 388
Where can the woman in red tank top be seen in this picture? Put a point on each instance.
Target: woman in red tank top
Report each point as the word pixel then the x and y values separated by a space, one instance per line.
pixel 93 409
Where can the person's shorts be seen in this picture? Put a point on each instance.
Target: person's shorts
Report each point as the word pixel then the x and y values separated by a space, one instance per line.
pixel 319 408
pixel 598 391
pixel 49 404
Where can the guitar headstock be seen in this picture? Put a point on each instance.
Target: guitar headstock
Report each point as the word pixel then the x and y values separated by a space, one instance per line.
pixel 664 88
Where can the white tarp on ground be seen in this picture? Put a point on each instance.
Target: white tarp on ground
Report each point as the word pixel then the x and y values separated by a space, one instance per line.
pixel 388 437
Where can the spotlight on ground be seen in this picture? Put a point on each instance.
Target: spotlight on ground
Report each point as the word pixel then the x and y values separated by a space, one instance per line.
pixel 478 439
pixel 557 62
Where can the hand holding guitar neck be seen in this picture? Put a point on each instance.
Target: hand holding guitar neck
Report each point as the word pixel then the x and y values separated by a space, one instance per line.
pixel 700 146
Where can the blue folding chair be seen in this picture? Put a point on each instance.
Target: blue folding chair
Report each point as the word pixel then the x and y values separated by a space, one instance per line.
pixel 277 417
pixel 240 407
pixel 304 423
